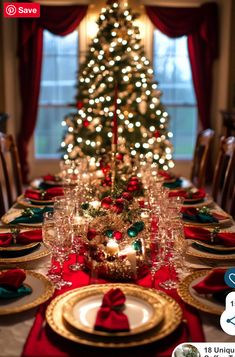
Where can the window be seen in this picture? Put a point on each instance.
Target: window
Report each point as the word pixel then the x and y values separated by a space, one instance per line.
pixel 57 91
pixel 173 72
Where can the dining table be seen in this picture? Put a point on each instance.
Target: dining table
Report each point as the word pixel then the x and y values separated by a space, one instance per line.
pixel 31 333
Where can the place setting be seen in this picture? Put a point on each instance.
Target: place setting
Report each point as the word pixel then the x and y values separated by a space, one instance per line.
pixel 206 290
pixel 210 243
pixel 39 198
pixel 21 290
pixel 21 246
pixel 144 314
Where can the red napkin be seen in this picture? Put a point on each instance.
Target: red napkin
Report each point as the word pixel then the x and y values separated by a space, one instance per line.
pixel 166 175
pixel 48 194
pixel 12 279
pixel 199 194
pixel 110 316
pixel 49 178
pixel 5 239
pixel 212 283
pixel 198 233
pixel 22 238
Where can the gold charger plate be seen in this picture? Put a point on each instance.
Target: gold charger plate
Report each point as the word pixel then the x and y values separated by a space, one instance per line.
pixel 192 251
pixel 42 290
pixel 26 202
pixel 19 247
pixel 171 320
pixel 39 253
pixel 200 301
pixel 143 311
pixel 207 201
pixel 215 247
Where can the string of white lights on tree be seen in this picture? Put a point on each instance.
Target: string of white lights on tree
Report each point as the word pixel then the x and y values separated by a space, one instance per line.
pixel 116 58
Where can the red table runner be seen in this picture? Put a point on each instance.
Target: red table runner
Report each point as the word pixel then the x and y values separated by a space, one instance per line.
pixel 43 342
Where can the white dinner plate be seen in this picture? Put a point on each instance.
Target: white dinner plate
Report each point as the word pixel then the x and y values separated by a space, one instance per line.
pixel 143 311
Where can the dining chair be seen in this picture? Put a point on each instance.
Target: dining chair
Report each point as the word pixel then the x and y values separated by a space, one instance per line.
pixel 232 206
pixel 11 179
pixel 201 156
pixel 224 174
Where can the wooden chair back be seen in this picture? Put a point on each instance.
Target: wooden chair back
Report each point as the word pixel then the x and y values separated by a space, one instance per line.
pixel 224 174
pixel 201 156
pixel 232 206
pixel 11 178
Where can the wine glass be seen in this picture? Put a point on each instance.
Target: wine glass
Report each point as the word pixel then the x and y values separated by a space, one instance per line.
pixel 80 226
pixel 48 238
pixel 64 239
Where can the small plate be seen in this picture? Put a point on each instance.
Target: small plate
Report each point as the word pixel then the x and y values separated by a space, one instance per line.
pixel 143 311
pixel 194 252
pixel 16 250
pixel 27 202
pixel 213 248
pixel 171 320
pixel 206 201
pixel 39 253
pixel 42 290
pixel 202 302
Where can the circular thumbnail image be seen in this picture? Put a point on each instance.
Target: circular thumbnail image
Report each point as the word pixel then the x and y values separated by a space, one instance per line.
pixel 187 350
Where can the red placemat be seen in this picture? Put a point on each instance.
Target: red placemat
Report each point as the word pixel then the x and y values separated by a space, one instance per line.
pixel 43 342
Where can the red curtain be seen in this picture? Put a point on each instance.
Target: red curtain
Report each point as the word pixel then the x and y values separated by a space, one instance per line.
pixel 200 24
pixel 60 20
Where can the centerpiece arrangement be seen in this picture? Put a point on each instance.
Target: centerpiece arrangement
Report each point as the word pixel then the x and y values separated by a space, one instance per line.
pixel 116 238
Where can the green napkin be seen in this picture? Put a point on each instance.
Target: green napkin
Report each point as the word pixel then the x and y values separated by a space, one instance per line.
pixel 32 215
pixel 6 293
pixel 175 184
pixel 200 217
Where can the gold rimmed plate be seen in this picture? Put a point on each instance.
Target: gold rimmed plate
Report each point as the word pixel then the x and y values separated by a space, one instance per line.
pixel 202 302
pixel 27 202
pixel 42 290
pixel 197 203
pixel 18 250
pixel 195 252
pixel 143 311
pixel 32 256
pixel 214 248
pixel 171 320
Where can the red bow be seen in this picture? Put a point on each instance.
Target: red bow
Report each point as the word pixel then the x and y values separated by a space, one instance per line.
pixel 110 316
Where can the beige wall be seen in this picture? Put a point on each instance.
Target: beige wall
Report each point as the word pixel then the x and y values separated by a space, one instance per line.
pixel 224 70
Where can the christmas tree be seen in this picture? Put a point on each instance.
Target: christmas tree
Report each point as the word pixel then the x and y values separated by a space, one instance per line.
pixel 116 88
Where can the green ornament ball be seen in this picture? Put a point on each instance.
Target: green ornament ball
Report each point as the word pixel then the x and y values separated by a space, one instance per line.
pixel 109 233
pixel 137 245
pixel 132 232
pixel 139 226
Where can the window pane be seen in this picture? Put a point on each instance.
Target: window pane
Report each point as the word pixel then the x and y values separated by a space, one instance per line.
pixel 58 89
pixel 173 72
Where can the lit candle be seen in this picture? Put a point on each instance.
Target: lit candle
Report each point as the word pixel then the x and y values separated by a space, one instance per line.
pixel 130 255
pixel 95 204
pixel 112 247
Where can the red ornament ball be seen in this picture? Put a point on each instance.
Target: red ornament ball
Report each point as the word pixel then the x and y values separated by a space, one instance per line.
pixel 86 123
pixel 117 235
pixel 127 196
pixel 106 202
pixel 91 234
